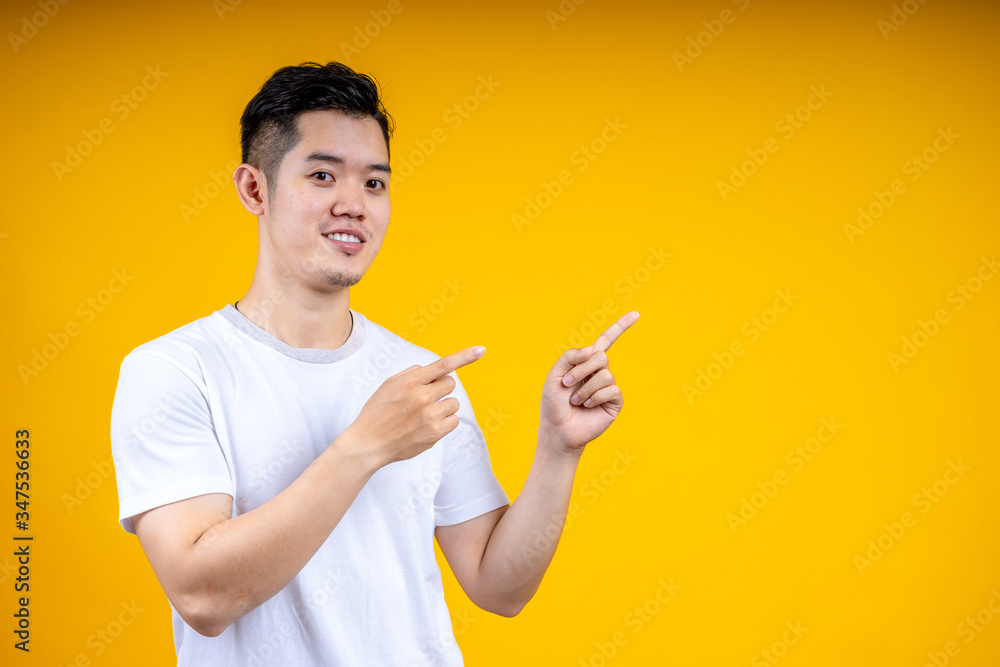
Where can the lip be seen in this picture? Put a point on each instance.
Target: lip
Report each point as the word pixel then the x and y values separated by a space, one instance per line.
pixel 349 247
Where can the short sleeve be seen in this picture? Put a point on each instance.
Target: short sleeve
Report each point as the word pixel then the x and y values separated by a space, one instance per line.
pixel 163 440
pixel 468 486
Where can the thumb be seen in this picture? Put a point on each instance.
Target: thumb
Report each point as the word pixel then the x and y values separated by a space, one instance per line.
pixel 569 359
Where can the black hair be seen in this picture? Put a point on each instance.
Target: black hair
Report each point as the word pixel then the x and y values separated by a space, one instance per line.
pixel 268 127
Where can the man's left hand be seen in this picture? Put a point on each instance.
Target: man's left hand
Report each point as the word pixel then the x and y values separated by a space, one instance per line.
pixel 580 398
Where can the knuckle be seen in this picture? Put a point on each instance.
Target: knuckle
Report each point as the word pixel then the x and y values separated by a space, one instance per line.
pixel 425 395
pixel 442 427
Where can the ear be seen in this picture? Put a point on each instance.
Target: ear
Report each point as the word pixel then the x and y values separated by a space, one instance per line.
pixel 251 186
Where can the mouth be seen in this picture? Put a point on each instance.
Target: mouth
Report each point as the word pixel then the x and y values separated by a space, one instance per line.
pixel 349 243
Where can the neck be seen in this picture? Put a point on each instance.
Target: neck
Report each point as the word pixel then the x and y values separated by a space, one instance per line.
pixel 303 319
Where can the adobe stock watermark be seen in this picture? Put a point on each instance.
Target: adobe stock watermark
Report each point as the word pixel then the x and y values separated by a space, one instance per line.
pixel 714 28
pixel 422 497
pixel 266 307
pixel 460 624
pixel 797 457
pixel 914 168
pixel 265 652
pixel 454 117
pixel 268 652
pixel 562 12
pixel 202 196
pixel 86 485
pixel 898 17
pixel 634 621
pixel 473 450
pixel 425 315
pixel 968 629
pixel 223 7
pixel 445 640
pixel 363 35
pixel 626 287
pixel 927 329
pixel 924 500
pixel 314 262
pixel 779 648
pixel 87 310
pixel 786 126
pixel 104 637
pixel 164 409
pixel 752 329
pixel 543 540
pixel 462 455
pixel 325 591
pixel 581 158
pixel 597 485
pixel 320 592
pixel 122 107
pixel 7 569
pixel 291 452
pixel 495 419
pixel 30 26
pixel 377 367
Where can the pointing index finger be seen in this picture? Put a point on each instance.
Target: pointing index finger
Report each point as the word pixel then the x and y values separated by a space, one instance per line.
pixel 452 362
pixel 611 334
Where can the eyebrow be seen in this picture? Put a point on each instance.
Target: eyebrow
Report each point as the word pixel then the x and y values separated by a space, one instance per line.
pixel 317 156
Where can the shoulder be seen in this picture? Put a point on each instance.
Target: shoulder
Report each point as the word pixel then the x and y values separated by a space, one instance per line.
pixel 186 346
pixel 382 344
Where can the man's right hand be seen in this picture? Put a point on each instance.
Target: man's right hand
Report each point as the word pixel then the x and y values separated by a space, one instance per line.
pixel 406 415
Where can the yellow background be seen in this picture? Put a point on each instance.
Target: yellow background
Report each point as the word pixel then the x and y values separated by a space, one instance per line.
pixel 664 516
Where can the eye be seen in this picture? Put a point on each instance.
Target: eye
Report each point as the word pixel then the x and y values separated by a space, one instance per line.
pixel 323 173
pixel 375 184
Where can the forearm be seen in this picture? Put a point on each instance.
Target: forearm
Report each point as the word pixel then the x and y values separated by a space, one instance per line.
pixel 240 562
pixel 524 541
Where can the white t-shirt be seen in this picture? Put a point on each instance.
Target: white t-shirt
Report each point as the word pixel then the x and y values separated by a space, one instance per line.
pixel 221 406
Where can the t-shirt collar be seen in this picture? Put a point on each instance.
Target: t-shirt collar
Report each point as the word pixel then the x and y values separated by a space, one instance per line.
pixel 307 354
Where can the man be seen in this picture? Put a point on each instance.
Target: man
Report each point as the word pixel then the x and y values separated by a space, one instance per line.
pixel 287 489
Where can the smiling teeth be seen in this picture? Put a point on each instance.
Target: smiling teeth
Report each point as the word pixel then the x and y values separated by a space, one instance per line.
pixel 343 237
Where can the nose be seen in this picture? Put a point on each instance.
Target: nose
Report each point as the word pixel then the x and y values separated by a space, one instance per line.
pixel 349 200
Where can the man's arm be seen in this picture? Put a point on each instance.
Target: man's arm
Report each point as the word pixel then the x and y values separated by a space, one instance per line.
pixel 215 568
pixel 499 558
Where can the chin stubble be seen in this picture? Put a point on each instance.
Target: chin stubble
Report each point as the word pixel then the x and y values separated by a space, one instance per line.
pixel 340 278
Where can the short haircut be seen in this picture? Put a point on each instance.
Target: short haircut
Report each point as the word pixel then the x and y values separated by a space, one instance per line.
pixel 268 127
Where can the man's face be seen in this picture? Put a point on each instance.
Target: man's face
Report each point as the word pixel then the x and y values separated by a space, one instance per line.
pixel 335 178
